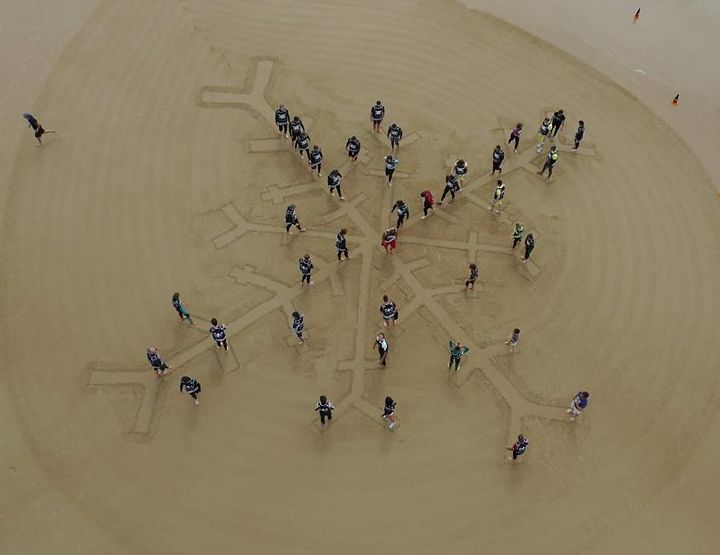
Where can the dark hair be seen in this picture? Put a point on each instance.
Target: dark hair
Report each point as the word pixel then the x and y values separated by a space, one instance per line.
pixel 323 399
pixel 385 298
pixel 461 162
pixel 519 126
pixel 473 266
pixel 584 394
pixel 176 296
pixel 500 182
pixel 521 437
pixel 378 103
pixel 389 400
pixel 581 122
pixel 516 330
pixel 353 138
pixel 185 379
pixel 498 146
pixel 316 147
pixel 389 157
pixel 343 231
pixel 307 255
pixel 214 321
pixel 422 194
pixel 295 314
pixel 296 118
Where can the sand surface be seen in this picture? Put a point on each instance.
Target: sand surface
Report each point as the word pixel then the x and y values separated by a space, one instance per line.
pixel 167 175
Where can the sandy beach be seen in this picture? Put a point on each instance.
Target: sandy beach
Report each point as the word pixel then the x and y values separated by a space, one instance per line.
pixel 167 174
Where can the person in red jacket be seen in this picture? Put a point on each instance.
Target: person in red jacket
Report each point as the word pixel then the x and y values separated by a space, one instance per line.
pixel 428 203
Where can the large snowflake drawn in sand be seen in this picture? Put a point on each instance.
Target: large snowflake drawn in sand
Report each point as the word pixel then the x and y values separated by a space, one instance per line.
pixel 365 246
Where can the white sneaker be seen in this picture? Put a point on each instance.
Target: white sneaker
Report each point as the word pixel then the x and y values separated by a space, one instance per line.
pixel 392 425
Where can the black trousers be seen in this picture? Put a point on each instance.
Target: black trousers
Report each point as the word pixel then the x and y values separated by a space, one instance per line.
pixel 496 167
pixel 317 167
pixel 399 222
pixel 555 130
pixel 383 355
pixel 427 207
pixel 447 190
pixel 354 155
pixel 394 143
pixel 324 415
pixel 528 250
pixel 295 223
pixel 283 127
pixel 549 167
pixel 469 282
pixel 515 140
pixel 222 344
pixel 455 360
pixel 305 278
pixel 342 252
pixel 516 454
pixel 306 151
pixel 389 173
pixel 338 189
pixel 577 143
pixel 294 136
pixel 516 240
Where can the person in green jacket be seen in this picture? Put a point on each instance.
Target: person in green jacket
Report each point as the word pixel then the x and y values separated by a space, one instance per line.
pixel 518 233
pixel 457 351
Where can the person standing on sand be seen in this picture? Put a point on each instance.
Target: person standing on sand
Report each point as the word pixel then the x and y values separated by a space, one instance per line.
pixel 315 158
pixel 377 113
pixel 518 448
pixel 513 339
pixel 296 128
pixel 517 233
pixel 451 186
pixel 181 310
pixel 550 162
pixel 498 196
pixel 352 146
pixel 402 211
pixel 382 346
pixel 298 326
pixel 474 274
pixel 306 267
pixel 37 128
pixel 389 412
pixel 390 164
pixel 515 136
pixel 324 408
pixel 389 312
pixel 291 219
pixel 498 156
pixel 389 240
pixel 395 134
pixel 157 363
pixel 341 245
pixel 543 134
pixel 558 120
pixel 578 404
pixel 219 334
pixel 192 386
pixel 457 351
pixel 529 246
pixel 460 171
pixel 579 134
pixel 302 144
pixel 282 119
pixel 334 181
pixel 428 203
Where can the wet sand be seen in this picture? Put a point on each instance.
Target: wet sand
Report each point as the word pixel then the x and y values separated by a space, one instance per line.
pixel 166 174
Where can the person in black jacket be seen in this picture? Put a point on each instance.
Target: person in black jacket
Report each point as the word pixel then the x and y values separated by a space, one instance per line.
pixel 341 245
